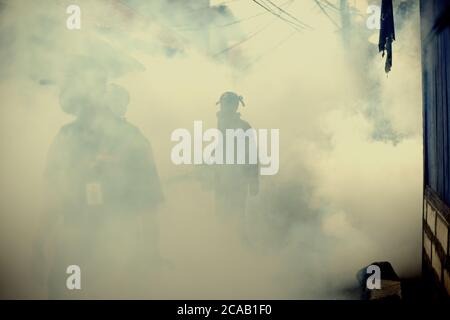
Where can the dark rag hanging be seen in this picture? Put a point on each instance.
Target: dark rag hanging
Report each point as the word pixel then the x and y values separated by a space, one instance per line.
pixel 387 32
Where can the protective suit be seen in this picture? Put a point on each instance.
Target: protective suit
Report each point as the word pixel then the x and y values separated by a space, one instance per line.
pixel 104 190
pixel 233 182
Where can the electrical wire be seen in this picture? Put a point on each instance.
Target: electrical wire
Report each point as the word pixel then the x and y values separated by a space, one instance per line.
pixel 235 21
pixel 293 24
pixel 273 48
pixel 326 14
pixel 252 35
pixel 328 4
pixel 290 15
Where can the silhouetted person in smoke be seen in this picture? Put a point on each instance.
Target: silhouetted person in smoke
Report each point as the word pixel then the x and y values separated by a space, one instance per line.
pixel 234 182
pixel 103 182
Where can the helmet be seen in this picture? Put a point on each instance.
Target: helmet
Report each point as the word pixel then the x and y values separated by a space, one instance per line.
pixel 117 99
pixel 231 99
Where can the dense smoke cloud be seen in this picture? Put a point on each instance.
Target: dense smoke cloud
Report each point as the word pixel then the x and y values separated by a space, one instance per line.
pixel 348 191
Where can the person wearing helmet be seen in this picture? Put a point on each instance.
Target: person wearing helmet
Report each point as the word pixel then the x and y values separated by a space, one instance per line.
pixel 117 99
pixel 103 184
pixel 233 182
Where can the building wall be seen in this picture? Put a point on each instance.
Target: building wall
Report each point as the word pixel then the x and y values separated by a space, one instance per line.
pixel 436 98
pixel 435 33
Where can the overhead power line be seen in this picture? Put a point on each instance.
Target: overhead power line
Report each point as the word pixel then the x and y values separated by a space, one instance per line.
pixel 295 25
pixel 326 14
pixel 328 4
pixel 297 29
pixel 271 49
pixel 190 28
pixel 290 15
pixel 250 36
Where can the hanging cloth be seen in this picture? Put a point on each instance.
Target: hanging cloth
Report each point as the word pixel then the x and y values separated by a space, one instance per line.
pixel 387 32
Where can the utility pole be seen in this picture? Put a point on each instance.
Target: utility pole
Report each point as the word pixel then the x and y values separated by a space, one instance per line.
pixel 345 20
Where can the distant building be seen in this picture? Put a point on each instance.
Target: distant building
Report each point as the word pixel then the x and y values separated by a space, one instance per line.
pixel 435 33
